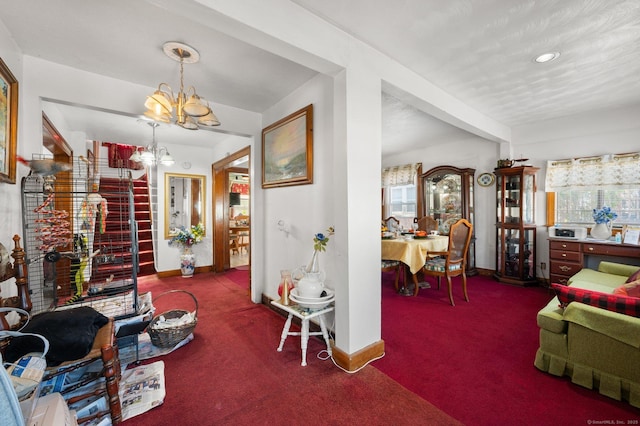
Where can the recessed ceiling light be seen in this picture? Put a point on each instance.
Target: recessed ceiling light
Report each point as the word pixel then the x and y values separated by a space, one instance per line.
pixel 547 57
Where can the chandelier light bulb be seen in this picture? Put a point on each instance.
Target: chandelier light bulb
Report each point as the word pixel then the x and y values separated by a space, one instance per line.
pixel 190 109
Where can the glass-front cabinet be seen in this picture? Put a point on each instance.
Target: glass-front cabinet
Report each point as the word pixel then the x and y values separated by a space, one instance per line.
pixel 448 197
pixel 515 225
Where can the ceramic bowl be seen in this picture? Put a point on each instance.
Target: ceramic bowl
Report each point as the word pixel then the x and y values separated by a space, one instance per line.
pixel 330 295
pixel 311 305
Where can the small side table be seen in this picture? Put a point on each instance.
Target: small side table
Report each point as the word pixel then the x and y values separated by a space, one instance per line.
pixel 305 315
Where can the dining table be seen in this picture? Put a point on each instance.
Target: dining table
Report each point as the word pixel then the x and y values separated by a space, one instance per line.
pixel 413 252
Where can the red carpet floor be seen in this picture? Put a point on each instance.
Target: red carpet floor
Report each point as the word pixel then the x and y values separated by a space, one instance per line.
pixel 231 373
pixel 475 360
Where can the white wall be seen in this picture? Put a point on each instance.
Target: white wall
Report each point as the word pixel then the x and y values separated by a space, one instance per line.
pixel 306 209
pixel 10 223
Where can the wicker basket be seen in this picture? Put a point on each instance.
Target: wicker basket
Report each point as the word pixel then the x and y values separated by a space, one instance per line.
pixel 169 337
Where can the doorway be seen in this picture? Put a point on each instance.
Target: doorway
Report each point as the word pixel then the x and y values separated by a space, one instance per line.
pixel 231 207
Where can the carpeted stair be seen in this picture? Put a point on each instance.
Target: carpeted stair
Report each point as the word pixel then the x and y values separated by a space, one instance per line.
pixel 114 240
pixel 145 234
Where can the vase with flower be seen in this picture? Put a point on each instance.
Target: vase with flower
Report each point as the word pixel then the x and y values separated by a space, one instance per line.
pixel 311 281
pixel 185 239
pixel 603 218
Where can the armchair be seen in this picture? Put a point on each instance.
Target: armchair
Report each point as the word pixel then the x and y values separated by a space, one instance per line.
pixel 451 263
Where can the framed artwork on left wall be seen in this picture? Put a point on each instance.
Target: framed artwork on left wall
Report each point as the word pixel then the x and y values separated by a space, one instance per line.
pixel 8 123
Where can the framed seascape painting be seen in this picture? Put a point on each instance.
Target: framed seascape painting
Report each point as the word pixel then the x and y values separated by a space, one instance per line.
pixel 8 124
pixel 287 150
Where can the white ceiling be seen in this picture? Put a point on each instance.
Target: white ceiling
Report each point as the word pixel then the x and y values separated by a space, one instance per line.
pixel 479 51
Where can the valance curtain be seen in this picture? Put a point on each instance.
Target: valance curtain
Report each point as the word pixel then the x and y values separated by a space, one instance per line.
pixel 607 170
pixel 119 156
pixel 400 175
pixel 242 188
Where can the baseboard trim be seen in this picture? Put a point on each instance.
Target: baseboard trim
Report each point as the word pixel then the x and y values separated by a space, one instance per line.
pixel 357 360
pixel 485 272
pixel 176 272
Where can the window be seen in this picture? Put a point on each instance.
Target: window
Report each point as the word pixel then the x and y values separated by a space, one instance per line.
pixel 576 206
pixel 577 186
pixel 402 204
pixel 401 196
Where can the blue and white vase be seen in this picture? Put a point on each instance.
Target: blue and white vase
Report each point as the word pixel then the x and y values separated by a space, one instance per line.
pixel 187 263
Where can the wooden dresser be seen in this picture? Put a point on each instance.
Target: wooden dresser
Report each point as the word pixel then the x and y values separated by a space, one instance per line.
pixel 567 257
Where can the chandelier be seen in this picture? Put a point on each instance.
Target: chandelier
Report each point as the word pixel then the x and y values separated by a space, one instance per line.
pixel 190 109
pixel 153 154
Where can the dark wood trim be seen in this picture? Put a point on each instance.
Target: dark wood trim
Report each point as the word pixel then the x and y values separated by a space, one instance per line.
pixel 177 273
pixel 220 201
pixel 62 152
pixel 355 361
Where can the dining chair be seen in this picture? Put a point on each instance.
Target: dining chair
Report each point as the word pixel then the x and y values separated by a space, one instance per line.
pixel 394 266
pixel 451 263
pixel 233 243
pixel 427 223
pixel 391 223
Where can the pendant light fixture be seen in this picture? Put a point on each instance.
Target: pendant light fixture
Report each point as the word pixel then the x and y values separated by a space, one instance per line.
pixel 186 109
pixel 153 154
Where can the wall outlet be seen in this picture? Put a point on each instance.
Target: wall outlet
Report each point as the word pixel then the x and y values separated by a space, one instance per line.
pixel 543 266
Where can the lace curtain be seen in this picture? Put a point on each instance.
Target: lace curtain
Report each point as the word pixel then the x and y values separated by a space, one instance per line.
pixel 400 175
pixel 606 170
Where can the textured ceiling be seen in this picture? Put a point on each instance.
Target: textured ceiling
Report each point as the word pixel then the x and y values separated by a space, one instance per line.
pixel 479 51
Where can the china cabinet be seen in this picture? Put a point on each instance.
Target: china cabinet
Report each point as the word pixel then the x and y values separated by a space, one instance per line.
pixel 448 197
pixel 515 225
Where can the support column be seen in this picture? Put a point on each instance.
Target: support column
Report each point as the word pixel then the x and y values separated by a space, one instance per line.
pixel 357 174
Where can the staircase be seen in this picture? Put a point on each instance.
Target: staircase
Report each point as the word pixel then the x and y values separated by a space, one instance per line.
pixel 113 237
pixel 146 260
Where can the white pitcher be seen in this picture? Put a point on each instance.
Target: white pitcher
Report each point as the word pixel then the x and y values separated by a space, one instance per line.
pixel 311 284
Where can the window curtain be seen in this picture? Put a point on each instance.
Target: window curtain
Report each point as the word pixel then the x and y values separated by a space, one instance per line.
pixel 242 188
pixel 613 170
pixel 396 176
pixel 400 175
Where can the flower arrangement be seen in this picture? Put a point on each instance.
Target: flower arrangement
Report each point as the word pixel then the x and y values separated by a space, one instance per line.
pixel 604 215
pixel 320 240
pixel 187 237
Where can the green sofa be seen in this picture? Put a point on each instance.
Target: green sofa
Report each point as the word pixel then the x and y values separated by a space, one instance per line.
pixel 597 348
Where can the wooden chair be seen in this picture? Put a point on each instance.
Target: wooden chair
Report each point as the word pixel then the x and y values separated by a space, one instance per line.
pixel 104 350
pixel 391 223
pixel 233 243
pixel 17 270
pixel 243 241
pixel 451 263
pixel 393 266
pixel 427 223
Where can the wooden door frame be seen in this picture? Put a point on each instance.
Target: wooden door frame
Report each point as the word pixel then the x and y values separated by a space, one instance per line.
pixel 220 201
pixel 62 152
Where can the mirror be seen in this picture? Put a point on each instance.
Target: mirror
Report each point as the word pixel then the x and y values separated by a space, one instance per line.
pixel 184 204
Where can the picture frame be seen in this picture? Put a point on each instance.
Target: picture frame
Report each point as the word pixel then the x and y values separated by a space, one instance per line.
pixel 631 234
pixel 287 150
pixel 8 124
